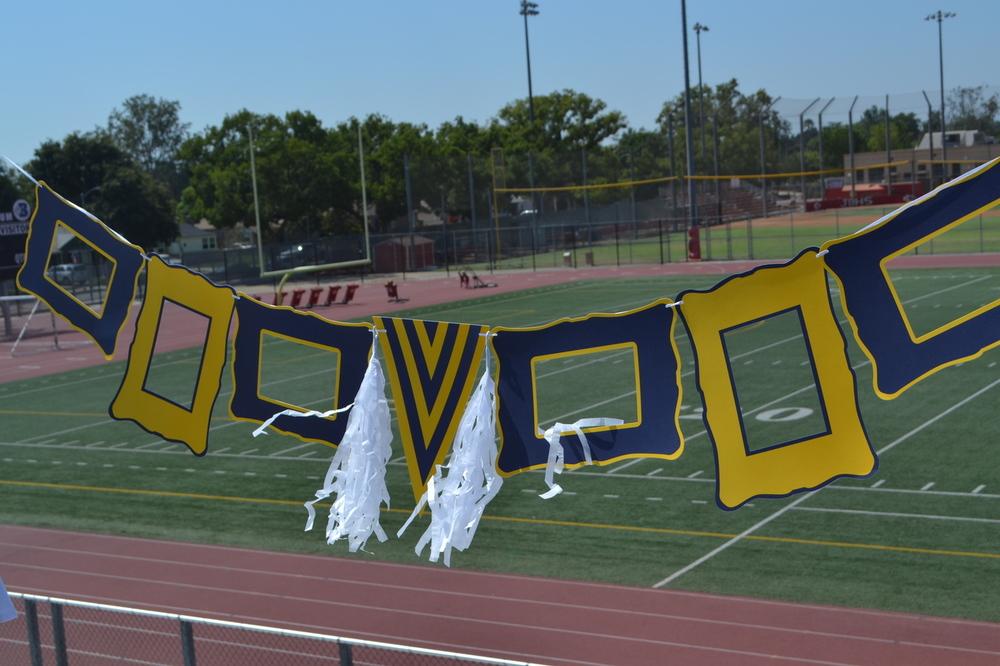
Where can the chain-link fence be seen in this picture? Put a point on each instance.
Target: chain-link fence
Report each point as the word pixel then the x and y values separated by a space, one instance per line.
pixel 63 632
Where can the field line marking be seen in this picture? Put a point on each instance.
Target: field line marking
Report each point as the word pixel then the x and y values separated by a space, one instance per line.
pixel 788 507
pixel 222 393
pixel 961 403
pixel 624 465
pixel 893 514
pixel 947 289
pixel 732 541
pixel 284 451
pixel 516 519
pixel 33 412
pixel 588 407
pixel 113 375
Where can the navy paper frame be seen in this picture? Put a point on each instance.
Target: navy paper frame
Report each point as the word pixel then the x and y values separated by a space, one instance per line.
pixel 51 210
pixel 352 341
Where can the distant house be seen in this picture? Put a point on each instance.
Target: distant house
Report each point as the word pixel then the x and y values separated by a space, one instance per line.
pixel 194 238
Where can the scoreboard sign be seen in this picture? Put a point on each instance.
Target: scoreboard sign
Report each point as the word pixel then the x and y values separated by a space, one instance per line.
pixel 13 233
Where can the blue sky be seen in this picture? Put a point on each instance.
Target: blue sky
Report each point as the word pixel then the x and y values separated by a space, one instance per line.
pixel 68 64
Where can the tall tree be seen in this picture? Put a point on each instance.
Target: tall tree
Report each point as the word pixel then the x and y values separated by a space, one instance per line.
pixel 117 190
pixel 150 130
pixel 973 108
pixel 306 174
pixel 739 128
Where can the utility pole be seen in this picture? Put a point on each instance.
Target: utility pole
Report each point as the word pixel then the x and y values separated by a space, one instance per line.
pixel 698 29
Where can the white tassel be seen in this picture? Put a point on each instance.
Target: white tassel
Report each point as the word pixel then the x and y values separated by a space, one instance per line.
pixel 458 500
pixel 357 471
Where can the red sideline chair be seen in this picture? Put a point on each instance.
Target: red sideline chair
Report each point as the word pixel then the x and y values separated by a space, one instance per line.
pixel 349 293
pixel 314 295
pixel 463 279
pixel 393 291
pixel 297 295
pixel 331 295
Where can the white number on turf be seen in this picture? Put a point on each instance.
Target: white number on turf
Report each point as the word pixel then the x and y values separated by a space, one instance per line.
pixel 784 414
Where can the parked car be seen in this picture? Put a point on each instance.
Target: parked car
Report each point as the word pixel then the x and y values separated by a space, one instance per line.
pixel 69 274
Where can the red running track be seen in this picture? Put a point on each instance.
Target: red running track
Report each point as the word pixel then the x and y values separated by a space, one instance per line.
pixel 516 617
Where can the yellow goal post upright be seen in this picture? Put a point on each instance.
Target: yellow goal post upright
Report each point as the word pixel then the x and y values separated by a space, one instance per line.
pixel 498 171
pixel 313 268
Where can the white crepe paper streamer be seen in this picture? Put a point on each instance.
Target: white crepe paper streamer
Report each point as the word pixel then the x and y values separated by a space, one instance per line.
pixel 557 455
pixel 458 499
pixel 262 430
pixel 357 471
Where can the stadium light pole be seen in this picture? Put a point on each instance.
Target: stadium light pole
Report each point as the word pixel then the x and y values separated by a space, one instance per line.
pixel 692 204
pixel 940 16
pixel 698 29
pixel 530 9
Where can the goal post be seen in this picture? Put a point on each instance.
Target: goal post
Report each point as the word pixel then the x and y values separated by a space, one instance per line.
pixel 286 273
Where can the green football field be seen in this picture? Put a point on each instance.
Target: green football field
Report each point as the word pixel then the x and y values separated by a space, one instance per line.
pixel 921 535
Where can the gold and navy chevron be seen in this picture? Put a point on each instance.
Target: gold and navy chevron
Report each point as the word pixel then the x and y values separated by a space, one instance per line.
pixel 432 369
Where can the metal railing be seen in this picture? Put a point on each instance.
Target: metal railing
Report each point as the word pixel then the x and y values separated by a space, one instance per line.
pixel 57 631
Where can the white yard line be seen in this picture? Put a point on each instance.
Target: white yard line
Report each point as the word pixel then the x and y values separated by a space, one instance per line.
pixel 222 393
pixel 891 514
pixel 802 498
pixel 294 448
pixel 625 465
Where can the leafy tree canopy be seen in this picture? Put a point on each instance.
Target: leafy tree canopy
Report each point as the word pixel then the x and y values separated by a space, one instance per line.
pixel 117 189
